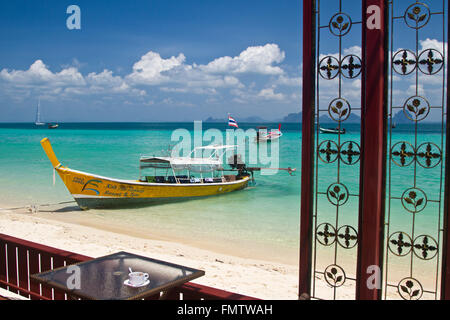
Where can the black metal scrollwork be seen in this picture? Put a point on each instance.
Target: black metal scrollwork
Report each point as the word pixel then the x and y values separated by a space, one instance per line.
pixel 416 108
pixel 340 24
pixel 428 154
pixel 417 15
pixel 403 154
pixel 414 200
pixel 351 66
pixel 329 67
pixel 337 194
pixel 326 234
pixel 350 153
pixel 404 62
pixel 339 110
pixel 335 276
pixel 415 61
pixel 336 68
pixel 347 237
pixel 410 289
pixel 400 244
pixel 431 61
pixel 328 151
pixel 425 247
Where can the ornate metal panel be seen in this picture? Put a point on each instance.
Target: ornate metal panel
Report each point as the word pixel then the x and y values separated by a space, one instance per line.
pixel 337 155
pixel 414 219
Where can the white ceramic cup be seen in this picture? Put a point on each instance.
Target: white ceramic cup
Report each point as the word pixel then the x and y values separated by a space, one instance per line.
pixel 137 278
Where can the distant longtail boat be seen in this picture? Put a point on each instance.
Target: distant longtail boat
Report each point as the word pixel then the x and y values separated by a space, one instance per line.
pixel 263 136
pixel 332 130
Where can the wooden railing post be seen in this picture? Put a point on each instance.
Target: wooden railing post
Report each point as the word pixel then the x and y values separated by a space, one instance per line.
pixel 373 140
pixel 308 116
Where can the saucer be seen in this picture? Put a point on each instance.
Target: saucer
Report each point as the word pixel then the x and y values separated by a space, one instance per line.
pixel 127 283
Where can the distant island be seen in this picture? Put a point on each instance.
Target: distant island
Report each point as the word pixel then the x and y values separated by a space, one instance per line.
pixel 399 118
pixel 297 117
pixel 292 117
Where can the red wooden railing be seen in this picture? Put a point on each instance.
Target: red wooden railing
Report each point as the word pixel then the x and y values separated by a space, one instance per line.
pixel 308 117
pixel 373 150
pixel 21 258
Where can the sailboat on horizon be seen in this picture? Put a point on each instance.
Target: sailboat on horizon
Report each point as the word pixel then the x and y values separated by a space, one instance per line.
pixel 38 121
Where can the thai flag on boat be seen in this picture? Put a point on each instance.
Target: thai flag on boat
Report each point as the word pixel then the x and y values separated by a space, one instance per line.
pixel 232 122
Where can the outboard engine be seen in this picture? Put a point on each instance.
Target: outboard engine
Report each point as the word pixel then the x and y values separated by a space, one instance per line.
pixel 235 162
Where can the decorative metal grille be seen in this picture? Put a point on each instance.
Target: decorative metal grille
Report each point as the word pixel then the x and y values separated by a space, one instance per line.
pixel 338 99
pixel 413 234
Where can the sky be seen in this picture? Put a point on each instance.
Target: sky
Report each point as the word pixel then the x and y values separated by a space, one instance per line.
pixel 401 37
pixel 153 60
pixel 181 60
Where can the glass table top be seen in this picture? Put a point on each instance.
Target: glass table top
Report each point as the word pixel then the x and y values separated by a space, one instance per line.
pixel 104 278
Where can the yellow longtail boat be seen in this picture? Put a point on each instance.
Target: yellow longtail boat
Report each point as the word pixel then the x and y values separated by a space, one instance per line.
pixel 94 191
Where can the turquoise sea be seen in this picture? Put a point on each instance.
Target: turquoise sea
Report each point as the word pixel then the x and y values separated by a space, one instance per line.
pixel 261 221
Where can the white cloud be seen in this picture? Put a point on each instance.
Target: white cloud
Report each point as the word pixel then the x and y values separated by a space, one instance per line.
pixel 432 44
pixel 290 82
pixel 258 59
pixel 170 89
pixel 153 70
pixel 149 69
pixel 195 90
pixel 195 78
pixel 39 74
pixel 172 102
pixel 411 91
pixel 105 81
pixel 67 82
pixel 269 94
pixel 171 75
pixel 355 50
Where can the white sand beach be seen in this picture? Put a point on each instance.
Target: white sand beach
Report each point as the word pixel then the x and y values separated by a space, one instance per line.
pixel 256 278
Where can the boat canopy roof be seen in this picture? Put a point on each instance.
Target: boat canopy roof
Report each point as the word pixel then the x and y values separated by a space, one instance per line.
pixel 155 162
pixel 180 160
pixel 182 163
pixel 195 164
